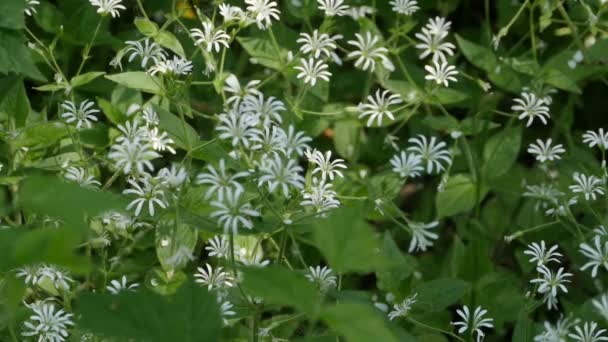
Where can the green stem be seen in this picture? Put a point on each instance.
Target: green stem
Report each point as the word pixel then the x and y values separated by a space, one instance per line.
pixel 426 326
pixel 87 48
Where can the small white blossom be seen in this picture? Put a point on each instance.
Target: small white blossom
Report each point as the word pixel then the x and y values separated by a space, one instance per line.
pixel 312 70
pixel 597 255
pixel 434 154
pixel 541 255
pixel 322 276
pixel 601 305
pixel 320 196
pixel 47 323
pixel 333 7
pixel 233 86
pixel 403 308
pixel 80 176
pixel 175 66
pixel 441 73
pixel 599 139
pixel 232 214
pixel 277 173
pixel 236 128
pixel 422 237
pixel 83 115
pixel 147 193
pixel 209 37
pixel 379 107
pixel 30 7
pixel 317 44
pixel 117 286
pixel 475 323
pixel 324 165
pixel 588 333
pixel 293 141
pixel 557 333
pixel 147 51
pixel 58 277
pixel 218 247
pixel 368 52
pixel 111 7
pixel 231 13
pixel 264 110
pixel 531 107
pixel 220 181
pixel 551 282
pixel 213 279
pixel 407 165
pixel 588 186
pixel 133 157
pixel 263 11
pixel 543 150
pixel 406 7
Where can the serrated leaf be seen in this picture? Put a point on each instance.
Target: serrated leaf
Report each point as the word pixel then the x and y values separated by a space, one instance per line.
pixel 138 80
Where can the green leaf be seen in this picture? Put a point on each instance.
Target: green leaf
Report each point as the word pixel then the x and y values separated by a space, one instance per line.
pixel 112 113
pixel 179 130
pixel 404 265
pixel 358 322
pixel 67 201
pixel 458 196
pixel 347 138
pixel 438 294
pixel 560 80
pixel 12 14
pixel 15 57
pixel 169 41
pixel 263 51
pixel 450 96
pixel 348 242
pixel 524 328
pixel 16 104
pixel 180 242
pixel 479 56
pixel 139 80
pixel 146 27
pixel 192 314
pixel 500 152
pixel 280 286
pixel 40 135
pixel 83 79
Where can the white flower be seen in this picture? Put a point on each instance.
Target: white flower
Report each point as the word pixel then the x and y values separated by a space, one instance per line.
pixel 266 110
pixel 275 172
pixel 531 107
pixel 30 7
pixel 226 311
pixel 108 7
pixel 368 52
pixel 407 165
pixel 211 38
pixel 378 107
pixel 231 13
pixel 551 282
pixel 433 44
pixel 598 256
pixel 174 176
pixel 588 333
pixel 438 26
pixel 421 235
pixel 320 196
pixel 263 11
pixel 218 247
pixel 322 276
pixel 133 157
pixel 236 127
pixel 328 168
pixel 475 323
pixel 541 255
pixel 231 213
pixel 403 308
pixel 359 12
pixel 219 181
pixel 117 286
pixel 407 7
pixel 148 51
pixel 431 152
pixel 599 138
pixel 213 279
pixel 175 66
pixel 543 151
pixel 47 324
pixel 441 73
pixel 601 305
pixel 557 333
pixel 311 70
pixel 30 273
pixel 132 133
pixel 83 115
pixel 160 141
pixel 317 44
pixel 293 141
pixel 80 176
pixel 267 141
pixel 589 186
pixel 232 85
pixel 149 193
pixel 58 277
pixel 332 7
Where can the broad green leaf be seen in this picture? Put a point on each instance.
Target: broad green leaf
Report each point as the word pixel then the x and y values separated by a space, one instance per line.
pixel 348 242
pixel 112 113
pixel 450 96
pixel 192 314
pixel 560 80
pixel 145 26
pixel 15 57
pixel 347 138
pixel 500 152
pixel 179 130
pixel 263 51
pixel 404 265
pixel 479 56
pixel 138 80
pixel 66 201
pixel 281 286
pixel 169 41
pixel 40 135
pixel 48 17
pixel 436 295
pixel 524 328
pixel 458 196
pixel 12 14
pixel 51 87
pixel 358 322
pixel 16 104
pixel 180 242
pixel 83 79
